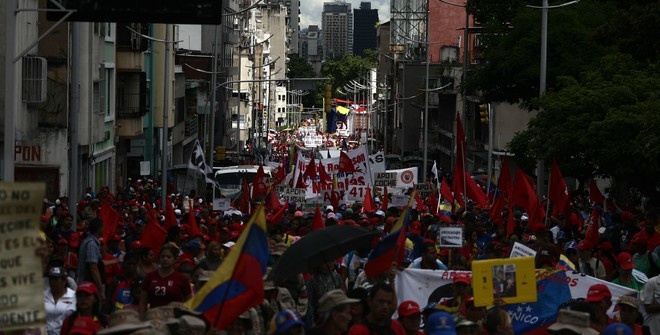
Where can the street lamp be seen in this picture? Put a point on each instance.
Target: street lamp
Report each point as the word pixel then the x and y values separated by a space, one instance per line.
pixel 540 173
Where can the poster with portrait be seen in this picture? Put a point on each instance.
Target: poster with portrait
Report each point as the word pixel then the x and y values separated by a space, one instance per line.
pixel 513 280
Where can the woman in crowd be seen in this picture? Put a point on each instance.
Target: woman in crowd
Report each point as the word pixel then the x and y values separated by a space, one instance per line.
pixel 166 284
pixel 87 307
pixel 59 300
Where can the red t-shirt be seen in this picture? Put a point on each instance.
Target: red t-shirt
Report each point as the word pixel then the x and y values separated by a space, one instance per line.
pixel 163 290
pixel 362 329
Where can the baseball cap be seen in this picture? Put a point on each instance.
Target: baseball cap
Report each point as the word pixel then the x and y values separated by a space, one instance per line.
pixel 87 287
pixel 63 241
pixel 334 298
pixel 584 245
pixel 617 328
pixel 625 261
pixel 57 272
pixel 408 308
pixel 598 292
pixel 462 277
pixel 440 323
pixel 286 319
pixel 229 244
pixel 329 208
pixel 639 240
pixel 575 321
pixel 416 227
pixel 628 300
pixel 298 214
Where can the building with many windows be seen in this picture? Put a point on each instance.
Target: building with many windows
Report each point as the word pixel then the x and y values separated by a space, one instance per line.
pixel 365 21
pixel 337 24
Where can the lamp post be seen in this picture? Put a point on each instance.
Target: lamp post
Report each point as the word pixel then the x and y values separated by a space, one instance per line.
pixel 540 164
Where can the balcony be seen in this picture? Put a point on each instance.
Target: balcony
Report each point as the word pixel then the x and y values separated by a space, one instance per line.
pixel 131 94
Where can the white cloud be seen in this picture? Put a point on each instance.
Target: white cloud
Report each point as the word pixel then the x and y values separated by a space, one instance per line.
pixel 310 10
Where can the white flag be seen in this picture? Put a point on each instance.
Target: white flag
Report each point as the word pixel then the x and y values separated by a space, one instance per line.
pixel 198 163
pixel 434 169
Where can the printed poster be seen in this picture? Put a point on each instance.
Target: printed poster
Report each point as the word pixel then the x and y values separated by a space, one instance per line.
pixel 21 277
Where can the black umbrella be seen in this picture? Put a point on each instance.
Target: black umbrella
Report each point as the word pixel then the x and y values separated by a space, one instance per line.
pixel 317 248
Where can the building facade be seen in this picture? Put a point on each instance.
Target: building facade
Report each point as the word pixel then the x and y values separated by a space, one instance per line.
pixel 365 20
pixel 337 24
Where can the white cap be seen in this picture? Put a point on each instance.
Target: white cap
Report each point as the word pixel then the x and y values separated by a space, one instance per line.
pixel 380 213
pixel 229 244
pixel 177 211
pixel 329 208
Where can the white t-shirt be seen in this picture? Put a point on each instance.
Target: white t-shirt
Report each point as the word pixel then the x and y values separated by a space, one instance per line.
pixel 56 312
pixel 650 294
pixel 354 264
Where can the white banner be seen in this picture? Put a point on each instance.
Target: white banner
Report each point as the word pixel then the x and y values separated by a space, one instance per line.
pixel 221 204
pixel 405 178
pixel 377 162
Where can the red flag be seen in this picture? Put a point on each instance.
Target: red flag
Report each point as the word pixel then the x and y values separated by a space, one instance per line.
pixel 170 216
pixel 475 192
pixel 505 186
pixel 110 219
pixel 558 192
pixel 325 178
pixel 419 202
pixel 432 203
pixel 310 170
pixel 445 191
pixel 244 201
pixel 317 221
pixel 525 196
pixel 390 248
pixel 458 179
pixel 384 202
pixel 277 217
pixel 369 207
pixel 594 193
pixel 273 202
pixel 259 187
pixel 193 228
pixel 345 163
pixel 301 182
pixel 591 235
pixel 280 175
pixel 153 234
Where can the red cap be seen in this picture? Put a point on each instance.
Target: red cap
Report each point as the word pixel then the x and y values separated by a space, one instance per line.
pixel 584 245
pixel 416 227
pixel 136 245
pixel 87 287
pixel 625 261
pixel 639 239
pixel 462 277
pixel 408 308
pixel 607 246
pixel 598 292
pixel 62 241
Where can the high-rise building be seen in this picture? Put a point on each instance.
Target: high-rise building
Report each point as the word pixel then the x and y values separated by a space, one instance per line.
pixel 337 24
pixel 364 28
pixel 292 21
pixel 311 47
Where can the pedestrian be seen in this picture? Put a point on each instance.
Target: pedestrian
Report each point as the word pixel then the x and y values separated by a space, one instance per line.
pixel 650 297
pixel 166 284
pixel 90 258
pixel 334 313
pixel 498 322
pixel 629 313
pixel 570 322
pixel 599 298
pixel 461 288
pixel 378 321
pixel 588 264
pixel 59 300
pixel 410 316
pixel 440 323
pixel 88 308
pixel 287 322
pixel 429 259
pixel 625 269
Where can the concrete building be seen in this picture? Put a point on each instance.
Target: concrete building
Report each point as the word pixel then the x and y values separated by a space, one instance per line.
pixel 337 24
pixel 365 21
pixel 292 22
pixel 311 47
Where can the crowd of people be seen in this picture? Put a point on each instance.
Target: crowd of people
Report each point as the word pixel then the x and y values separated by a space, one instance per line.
pixel 119 285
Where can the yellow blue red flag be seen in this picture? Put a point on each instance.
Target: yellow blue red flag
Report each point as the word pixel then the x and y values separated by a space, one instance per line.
pixel 237 284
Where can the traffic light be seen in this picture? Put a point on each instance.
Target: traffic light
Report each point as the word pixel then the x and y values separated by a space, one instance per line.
pixel 484 111
pixel 220 153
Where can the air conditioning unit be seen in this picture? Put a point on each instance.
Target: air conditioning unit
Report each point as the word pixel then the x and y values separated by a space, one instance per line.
pixel 35 79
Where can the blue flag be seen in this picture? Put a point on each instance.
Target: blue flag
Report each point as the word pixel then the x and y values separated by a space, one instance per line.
pixel 552 292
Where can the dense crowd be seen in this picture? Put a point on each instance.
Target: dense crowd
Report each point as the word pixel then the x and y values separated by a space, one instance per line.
pixel 119 285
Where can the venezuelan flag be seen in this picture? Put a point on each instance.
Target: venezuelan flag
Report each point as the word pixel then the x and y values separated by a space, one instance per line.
pixel 237 284
pixel 391 248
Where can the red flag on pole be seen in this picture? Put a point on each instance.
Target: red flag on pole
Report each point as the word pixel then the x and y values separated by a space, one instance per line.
pixel 110 219
pixel 193 228
pixel 300 183
pixel 591 235
pixel 244 201
pixel 558 192
pixel 170 216
pixel 259 187
pixel 525 196
pixel 310 170
pixel 325 178
pixel 475 192
pixel 317 221
pixel 273 202
pixel 280 175
pixel 369 207
pixel 345 163
pixel 153 235
pixel 445 191
pixel 594 193
pixel 384 202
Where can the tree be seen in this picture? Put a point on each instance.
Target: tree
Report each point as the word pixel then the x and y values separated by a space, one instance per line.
pixel 297 67
pixel 346 68
pixel 602 123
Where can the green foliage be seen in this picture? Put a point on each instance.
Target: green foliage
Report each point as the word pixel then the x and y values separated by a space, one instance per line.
pixel 299 68
pixel 346 68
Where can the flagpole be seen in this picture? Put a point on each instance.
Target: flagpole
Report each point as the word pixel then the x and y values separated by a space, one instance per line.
pixel 547 206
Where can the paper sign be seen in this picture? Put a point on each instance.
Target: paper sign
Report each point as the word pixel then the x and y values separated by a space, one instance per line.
pixel 356 193
pixel 382 179
pixel 424 190
pixel 450 237
pixel 294 194
pixel 21 276
pixel 513 280
pixel 521 250
pixel 221 204
pixel 399 200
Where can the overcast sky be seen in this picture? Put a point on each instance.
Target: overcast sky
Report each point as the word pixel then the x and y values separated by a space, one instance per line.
pixel 310 10
pixel 310 13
